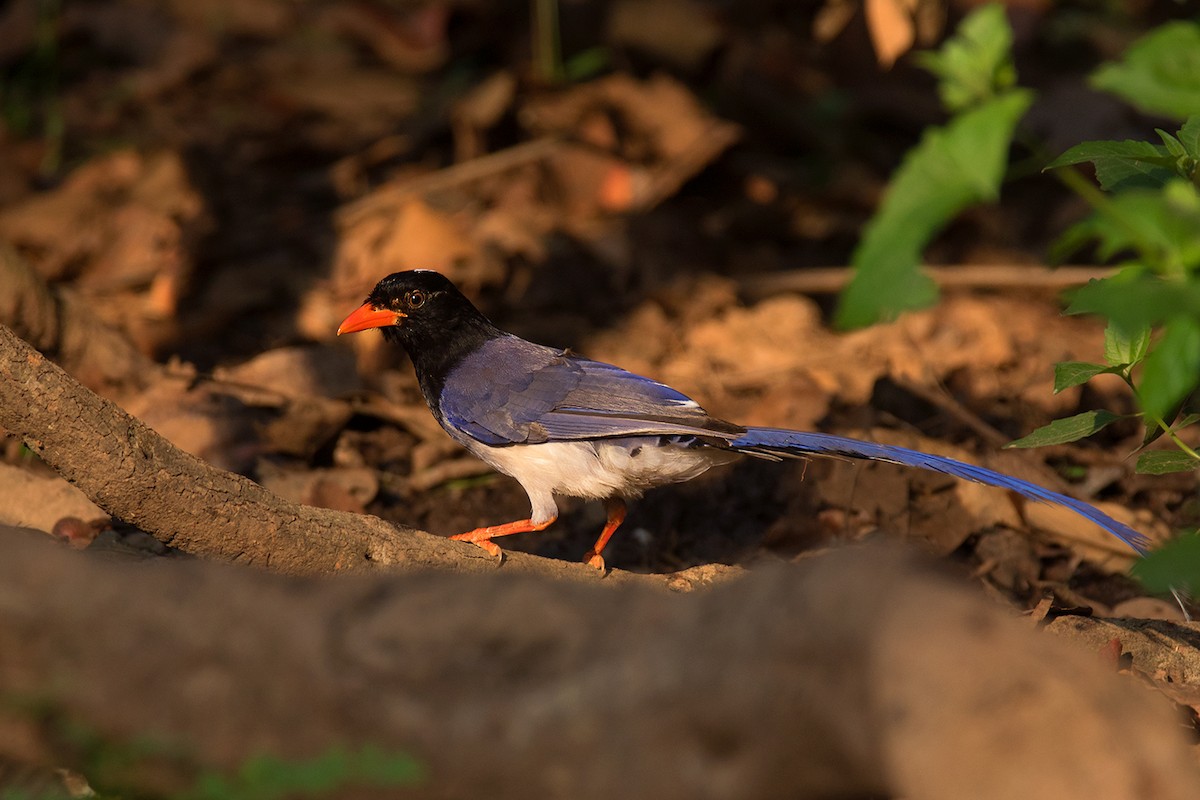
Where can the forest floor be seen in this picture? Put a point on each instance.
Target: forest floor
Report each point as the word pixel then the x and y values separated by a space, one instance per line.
pixel 235 176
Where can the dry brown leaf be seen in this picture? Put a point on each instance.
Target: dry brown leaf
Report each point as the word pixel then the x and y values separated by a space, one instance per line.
pixel 1096 544
pixel 590 181
pixel 38 501
pixel 681 32
pixel 892 29
pixel 478 110
pixel 1148 608
pixel 411 38
pixel 755 346
pixel 416 237
pixel 832 18
pixel 367 101
pixel 202 420
pixel 119 222
pixel 320 371
pixel 339 488
pixel 659 117
pixel 261 18
pixel 297 384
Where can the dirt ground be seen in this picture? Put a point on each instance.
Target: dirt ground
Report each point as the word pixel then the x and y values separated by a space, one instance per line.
pixel 230 179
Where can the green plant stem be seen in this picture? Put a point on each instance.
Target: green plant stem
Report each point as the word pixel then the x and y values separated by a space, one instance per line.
pixel 1100 203
pixel 547 45
pixel 1178 442
pixel 1159 421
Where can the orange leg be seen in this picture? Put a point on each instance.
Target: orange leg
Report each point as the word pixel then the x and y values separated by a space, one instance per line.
pixel 483 536
pixel 616 515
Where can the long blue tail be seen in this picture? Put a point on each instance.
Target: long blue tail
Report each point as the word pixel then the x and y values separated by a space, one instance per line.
pixel 779 442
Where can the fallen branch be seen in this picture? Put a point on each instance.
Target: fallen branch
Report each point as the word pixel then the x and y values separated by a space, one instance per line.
pixel 857 674
pixel 138 476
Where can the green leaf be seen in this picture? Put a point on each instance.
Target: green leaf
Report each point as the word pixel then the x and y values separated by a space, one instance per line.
pixel 1073 373
pixel 1172 418
pixel 1189 136
pixel 1162 462
pixel 1173 145
pixel 1123 347
pixel 1172 369
pixel 587 64
pixel 1122 165
pixel 1161 227
pixel 1160 72
pixel 975 64
pixel 1070 429
pixel 267 777
pixel 1134 304
pixel 1185 159
pixel 1175 565
pixel 952 167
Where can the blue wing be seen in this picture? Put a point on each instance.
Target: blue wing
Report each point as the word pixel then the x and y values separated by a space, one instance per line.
pixel 513 392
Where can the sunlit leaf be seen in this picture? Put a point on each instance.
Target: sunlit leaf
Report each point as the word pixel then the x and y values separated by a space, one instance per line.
pixel 1172 369
pixel 975 64
pixel 950 169
pixel 1073 373
pixel 1122 165
pixel 1159 227
pixel 1069 429
pixel 1123 347
pixel 1160 73
pixel 1189 136
pixel 1137 302
pixel 1162 462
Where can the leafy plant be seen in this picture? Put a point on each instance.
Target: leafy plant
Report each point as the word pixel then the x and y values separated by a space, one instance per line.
pixel 112 764
pixel 954 166
pixel 1173 567
pixel 1160 73
pixel 1146 216
pixel 268 778
pixel 1151 217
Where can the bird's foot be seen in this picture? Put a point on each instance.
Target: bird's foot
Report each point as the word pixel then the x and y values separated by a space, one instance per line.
pixel 595 560
pixel 479 537
pixel 483 536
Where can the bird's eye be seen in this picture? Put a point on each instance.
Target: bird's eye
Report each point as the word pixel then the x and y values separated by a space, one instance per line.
pixel 414 299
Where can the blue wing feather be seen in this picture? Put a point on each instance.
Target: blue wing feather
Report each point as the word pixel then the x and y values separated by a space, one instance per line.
pixel 513 392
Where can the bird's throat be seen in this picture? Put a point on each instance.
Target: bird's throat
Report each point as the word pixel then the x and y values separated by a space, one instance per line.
pixel 435 353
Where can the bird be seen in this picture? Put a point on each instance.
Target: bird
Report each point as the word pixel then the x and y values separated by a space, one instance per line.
pixel 565 425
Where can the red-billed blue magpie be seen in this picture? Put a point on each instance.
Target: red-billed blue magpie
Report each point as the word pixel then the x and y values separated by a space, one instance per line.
pixel 566 425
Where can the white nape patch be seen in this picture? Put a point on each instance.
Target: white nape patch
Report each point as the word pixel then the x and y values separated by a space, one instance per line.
pixel 595 470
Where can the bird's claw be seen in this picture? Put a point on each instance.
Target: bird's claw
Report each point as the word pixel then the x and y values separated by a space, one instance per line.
pixel 595 560
pixel 490 547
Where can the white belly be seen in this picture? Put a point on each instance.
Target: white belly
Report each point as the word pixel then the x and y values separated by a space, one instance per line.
pixel 596 470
